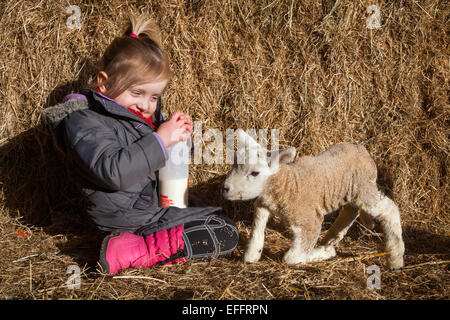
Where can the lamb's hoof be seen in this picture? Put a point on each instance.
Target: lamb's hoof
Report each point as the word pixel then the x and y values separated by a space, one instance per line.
pixel 396 264
pixel 322 253
pixel 252 257
pixel 331 251
pixel 326 252
pixel 292 258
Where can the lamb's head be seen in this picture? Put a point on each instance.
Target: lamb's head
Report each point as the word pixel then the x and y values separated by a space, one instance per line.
pixel 253 165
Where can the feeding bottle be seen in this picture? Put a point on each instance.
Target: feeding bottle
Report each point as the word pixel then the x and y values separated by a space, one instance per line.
pixel 173 177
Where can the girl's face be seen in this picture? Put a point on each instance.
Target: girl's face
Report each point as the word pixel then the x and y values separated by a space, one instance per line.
pixel 142 97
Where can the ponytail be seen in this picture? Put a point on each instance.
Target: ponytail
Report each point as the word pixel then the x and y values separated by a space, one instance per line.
pixel 144 27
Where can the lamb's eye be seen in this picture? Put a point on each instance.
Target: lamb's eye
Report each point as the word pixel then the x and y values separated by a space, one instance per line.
pixel 254 173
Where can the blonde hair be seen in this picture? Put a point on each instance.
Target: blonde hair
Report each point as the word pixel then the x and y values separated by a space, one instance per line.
pixel 129 60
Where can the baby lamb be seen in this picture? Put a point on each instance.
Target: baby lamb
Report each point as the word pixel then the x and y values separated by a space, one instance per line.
pixel 302 192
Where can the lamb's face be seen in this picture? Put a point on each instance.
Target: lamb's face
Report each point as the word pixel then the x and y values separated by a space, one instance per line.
pixel 246 181
pixel 252 167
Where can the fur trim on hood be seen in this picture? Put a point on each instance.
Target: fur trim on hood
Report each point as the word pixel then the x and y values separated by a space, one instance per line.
pixel 54 115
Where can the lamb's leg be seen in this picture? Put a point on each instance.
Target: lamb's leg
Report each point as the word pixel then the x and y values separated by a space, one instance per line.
pixel 383 209
pixel 347 215
pixel 256 243
pixel 305 237
pixel 366 219
pixel 322 253
pixel 298 252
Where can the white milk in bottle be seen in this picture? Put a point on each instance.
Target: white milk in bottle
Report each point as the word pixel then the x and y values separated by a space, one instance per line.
pixel 173 178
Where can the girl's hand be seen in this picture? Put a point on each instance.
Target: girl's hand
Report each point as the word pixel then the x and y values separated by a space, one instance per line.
pixel 188 122
pixel 178 128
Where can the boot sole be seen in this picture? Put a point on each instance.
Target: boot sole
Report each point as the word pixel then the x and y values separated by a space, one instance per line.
pixel 102 259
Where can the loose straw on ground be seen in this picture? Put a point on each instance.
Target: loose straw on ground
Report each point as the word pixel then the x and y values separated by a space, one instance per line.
pixel 138 277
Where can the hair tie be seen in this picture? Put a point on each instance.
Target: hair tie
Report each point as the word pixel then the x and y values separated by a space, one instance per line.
pixel 134 35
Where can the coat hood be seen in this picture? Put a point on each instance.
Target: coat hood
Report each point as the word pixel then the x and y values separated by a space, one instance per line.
pixel 55 114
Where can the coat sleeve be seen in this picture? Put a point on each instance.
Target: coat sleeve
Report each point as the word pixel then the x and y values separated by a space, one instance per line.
pixel 104 161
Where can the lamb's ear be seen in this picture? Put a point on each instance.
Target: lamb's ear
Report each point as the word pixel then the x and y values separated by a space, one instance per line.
pixel 287 155
pixel 281 156
pixel 244 139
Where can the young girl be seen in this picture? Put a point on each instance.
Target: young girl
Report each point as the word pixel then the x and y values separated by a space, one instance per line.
pixel 116 137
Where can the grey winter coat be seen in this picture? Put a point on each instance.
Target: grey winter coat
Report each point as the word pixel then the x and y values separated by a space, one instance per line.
pixel 117 155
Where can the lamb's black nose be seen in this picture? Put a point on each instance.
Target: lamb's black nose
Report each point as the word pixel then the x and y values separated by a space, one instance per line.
pixel 225 189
